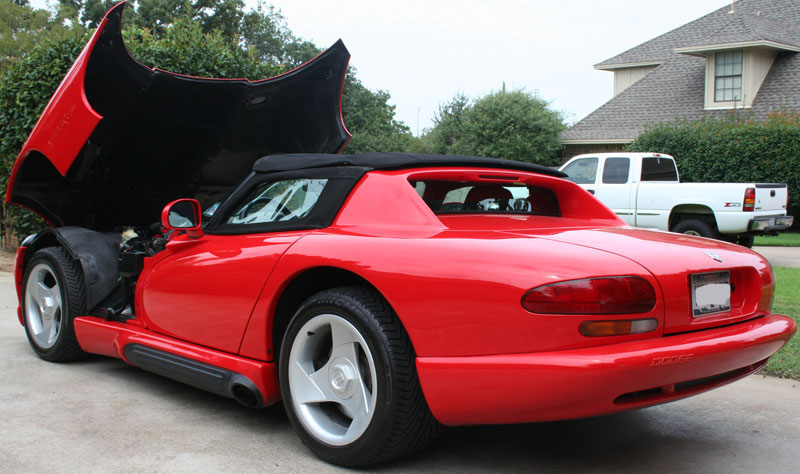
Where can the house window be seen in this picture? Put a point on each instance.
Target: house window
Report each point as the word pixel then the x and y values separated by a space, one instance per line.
pixel 728 76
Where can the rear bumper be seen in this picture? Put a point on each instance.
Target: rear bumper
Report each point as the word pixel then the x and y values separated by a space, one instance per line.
pixel 558 385
pixel 770 224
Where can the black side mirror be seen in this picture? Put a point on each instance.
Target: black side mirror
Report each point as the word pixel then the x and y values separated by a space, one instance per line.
pixel 183 214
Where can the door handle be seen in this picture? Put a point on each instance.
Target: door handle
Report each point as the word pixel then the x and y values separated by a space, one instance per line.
pixel 591 190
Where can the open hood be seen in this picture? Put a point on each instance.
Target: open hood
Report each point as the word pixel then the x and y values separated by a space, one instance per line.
pixel 118 140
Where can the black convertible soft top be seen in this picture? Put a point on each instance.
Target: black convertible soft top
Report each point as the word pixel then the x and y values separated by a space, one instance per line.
pixel 390 161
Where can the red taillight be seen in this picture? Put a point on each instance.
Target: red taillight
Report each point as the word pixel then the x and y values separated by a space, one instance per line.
pixel 749 200
pixel 608 295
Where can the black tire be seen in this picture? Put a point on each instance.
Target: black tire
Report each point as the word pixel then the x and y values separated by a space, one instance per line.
pixel 400 422
pixel 49 268
pixel 696 227
pixel 745 240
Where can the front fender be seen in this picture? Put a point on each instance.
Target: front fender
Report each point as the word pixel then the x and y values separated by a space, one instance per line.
pixel 97 253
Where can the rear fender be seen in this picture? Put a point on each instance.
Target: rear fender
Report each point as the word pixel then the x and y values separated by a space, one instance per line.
pixel 683 211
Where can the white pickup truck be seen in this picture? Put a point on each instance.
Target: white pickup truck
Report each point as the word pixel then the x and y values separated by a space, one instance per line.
pixel 644 190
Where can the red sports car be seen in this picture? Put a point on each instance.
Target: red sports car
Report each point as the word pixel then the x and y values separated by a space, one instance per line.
pixel 379 296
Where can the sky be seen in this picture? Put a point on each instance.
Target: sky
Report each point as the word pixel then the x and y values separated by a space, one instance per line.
pixel 423 52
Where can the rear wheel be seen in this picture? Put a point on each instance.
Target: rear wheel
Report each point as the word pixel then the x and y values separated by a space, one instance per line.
pixel 745 240
pixel 349 382
pixel 53 295
pixel 696 227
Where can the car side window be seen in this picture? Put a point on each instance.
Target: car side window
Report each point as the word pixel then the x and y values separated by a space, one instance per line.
pixel 659 169
pixel 616 170
pixel 583 171
pixel 278 201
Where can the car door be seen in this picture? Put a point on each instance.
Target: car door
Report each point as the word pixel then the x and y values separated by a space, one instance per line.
pixel 204 290
pixel 615 187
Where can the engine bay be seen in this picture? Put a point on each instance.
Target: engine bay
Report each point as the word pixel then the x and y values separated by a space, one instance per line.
pixel 136 244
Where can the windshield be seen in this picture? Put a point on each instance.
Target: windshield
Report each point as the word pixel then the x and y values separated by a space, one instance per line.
pixel 279 201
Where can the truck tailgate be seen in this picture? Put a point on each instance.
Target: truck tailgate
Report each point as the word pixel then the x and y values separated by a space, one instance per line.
pixel 771 197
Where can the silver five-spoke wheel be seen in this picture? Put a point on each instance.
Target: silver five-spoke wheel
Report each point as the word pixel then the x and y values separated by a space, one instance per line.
pixel 53 294
pixel 331 376
pixel 43 305
pixel 348 379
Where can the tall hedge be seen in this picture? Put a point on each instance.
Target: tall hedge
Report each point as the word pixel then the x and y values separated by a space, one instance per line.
pixel 733 149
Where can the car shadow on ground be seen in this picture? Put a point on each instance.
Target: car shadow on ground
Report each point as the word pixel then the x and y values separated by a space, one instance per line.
pixel 627 442
pixel 632 441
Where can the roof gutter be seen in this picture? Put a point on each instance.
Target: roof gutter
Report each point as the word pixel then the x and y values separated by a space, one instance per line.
pixel 601 141
pixel 703 49
pixel 612 67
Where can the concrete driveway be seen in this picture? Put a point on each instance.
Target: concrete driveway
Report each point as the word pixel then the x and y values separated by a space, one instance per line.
pixel 781 256
pixel 103 416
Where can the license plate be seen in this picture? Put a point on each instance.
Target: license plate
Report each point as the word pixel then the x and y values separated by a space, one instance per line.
pixel 711 293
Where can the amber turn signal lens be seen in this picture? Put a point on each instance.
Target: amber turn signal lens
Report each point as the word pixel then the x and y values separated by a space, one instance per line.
pixel 617 328
pixel 606 295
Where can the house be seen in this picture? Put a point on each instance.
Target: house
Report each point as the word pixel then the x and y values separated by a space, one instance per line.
pixel 742 56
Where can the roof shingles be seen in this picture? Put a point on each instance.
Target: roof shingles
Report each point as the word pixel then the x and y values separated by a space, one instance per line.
pixel 675 89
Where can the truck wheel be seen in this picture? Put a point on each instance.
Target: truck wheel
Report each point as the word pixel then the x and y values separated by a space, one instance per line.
pixel 53 295
pixel 348 380
pixel 696 227
pixel 745 241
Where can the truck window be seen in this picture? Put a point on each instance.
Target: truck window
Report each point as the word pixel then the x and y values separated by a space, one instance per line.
pixel 583 171
pixel 658 169
pixel 616 170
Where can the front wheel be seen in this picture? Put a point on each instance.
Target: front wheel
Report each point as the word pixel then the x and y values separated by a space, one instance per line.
pixel 349 382
pixel 53 295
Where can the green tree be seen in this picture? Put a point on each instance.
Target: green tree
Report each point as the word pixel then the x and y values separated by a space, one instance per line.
pixel 213 15
pixel 186 49
pixel 370 118
pixel 92 11
pixel 264 30
pixel 449 126
pixel 513 125
pixel 21 27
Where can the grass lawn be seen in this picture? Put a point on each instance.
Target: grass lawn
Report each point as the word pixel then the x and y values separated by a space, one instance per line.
pixel 781 240
pixel 786 363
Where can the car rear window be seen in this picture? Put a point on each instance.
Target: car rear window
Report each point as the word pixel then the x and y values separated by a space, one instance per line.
pixel 658 169
pixel 461 197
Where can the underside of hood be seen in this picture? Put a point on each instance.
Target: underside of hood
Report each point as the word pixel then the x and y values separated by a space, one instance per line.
pixel 118 140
